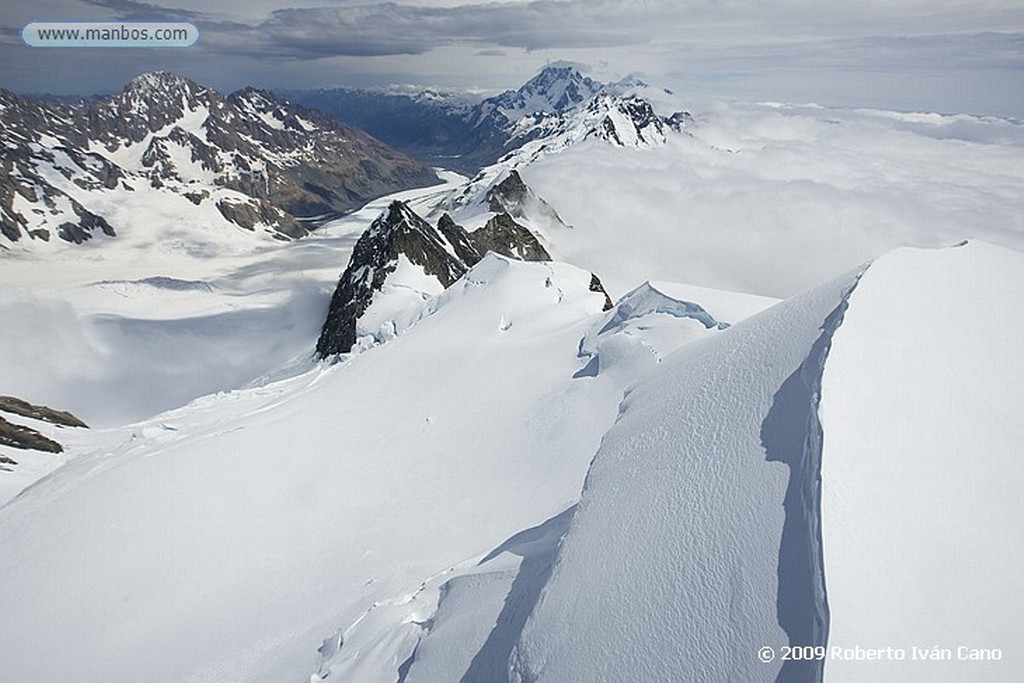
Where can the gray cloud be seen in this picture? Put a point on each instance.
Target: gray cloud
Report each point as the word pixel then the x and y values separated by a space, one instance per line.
pixel 949 54
pixel 395 29
pixel 143 11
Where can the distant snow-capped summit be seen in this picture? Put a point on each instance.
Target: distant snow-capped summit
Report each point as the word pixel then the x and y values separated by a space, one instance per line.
pixel 619 120
pixel 555 90
pixel 444 130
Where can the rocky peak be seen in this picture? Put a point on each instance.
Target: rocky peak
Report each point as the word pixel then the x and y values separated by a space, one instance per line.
pixel 563 86
pixel 510 192
pixel 398 236
pixel 555 90
pixel 502 235
pixel 149 103
pixel 158 83
pixel 516 198
pixel 679 120
pixel 625 121
pixel 398 232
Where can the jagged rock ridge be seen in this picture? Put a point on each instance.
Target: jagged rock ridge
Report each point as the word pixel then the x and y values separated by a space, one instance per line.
pixel 397 232
pixel 516 198
pixel 444 253
pixel 504 236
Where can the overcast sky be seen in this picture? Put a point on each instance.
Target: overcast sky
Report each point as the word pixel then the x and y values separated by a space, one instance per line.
pixel 934 55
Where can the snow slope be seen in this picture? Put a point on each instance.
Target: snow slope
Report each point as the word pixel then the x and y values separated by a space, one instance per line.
pixel 894 524
pixel 673 560
pixel 414 512
pixel 922 476
pixel 228 539
pixel 144 324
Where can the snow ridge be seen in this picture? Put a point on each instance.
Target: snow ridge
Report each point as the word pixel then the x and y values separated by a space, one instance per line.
pixel 647 299
pixel 674 551
pixel 792 434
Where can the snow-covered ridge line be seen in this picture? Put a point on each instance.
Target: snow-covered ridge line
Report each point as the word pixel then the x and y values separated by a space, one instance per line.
pixel 707 571
pixel 791 433
pixel 922 485
pixel 648 299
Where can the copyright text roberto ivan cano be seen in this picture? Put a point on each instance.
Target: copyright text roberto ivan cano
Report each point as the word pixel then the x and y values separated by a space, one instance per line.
pixel 857 653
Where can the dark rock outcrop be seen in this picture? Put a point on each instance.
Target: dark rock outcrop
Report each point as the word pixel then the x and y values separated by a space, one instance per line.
pixel 19 436
pixel 504 236
pixel 459 239
pixel 26 438
pixel 516 198
pixel 445 252
pixel 399 231
pixel 596 286
pixel 259 211
pixel 17 406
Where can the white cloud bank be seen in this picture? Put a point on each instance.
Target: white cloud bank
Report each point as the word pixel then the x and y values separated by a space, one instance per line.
pixel 772 199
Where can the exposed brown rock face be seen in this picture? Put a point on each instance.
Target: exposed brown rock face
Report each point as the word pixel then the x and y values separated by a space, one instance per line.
pixel 291 161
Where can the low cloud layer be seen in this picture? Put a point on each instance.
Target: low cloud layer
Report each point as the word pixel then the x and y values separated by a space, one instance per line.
pixel 773 199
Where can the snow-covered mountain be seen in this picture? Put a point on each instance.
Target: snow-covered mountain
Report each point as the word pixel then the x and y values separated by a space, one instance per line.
pixel 486 469
pixel 612 116
pixel 522 486
pixel 402 260
pixel 453 132
pixel 554 90
pixel 399 257
pixel 167 145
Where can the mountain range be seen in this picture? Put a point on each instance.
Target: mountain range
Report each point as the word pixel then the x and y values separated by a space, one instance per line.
pixel 259 162
pixel 445 129
pixel 500 426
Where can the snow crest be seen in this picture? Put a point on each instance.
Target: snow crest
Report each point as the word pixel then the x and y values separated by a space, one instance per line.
pixel 673 559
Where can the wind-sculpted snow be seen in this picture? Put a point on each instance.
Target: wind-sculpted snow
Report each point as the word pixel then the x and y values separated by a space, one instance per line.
pixel 921 472
pixel 671 568
pixel 791 433
pixel 647 299
pixel 481 613
pixel 649 321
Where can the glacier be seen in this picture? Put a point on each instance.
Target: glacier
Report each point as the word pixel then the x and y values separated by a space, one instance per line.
pixel 458 503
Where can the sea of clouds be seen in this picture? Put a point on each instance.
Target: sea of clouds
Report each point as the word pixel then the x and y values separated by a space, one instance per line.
pixel 772 198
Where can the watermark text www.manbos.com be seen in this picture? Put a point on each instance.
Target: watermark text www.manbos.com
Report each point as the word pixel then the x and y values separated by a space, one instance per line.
pixel 857 653
pixel 110 34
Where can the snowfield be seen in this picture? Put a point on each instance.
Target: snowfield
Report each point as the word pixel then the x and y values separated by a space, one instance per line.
pixel 922 476
pixel 337 499
pixel 433 507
